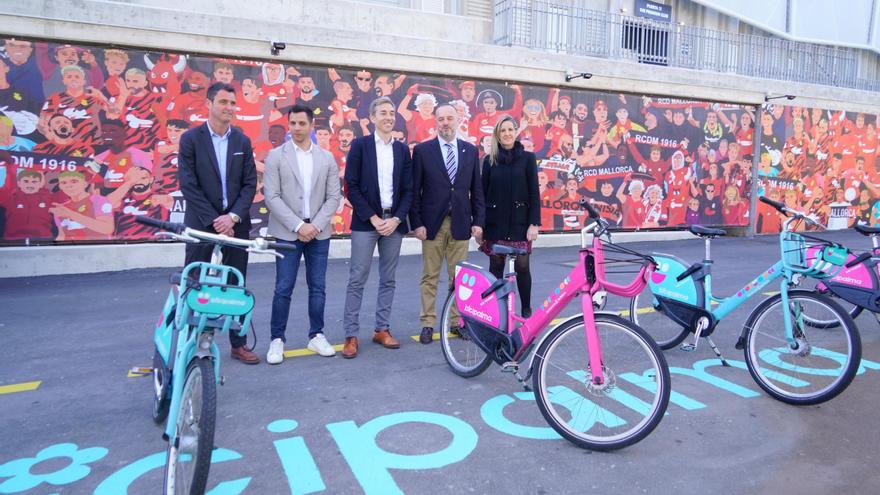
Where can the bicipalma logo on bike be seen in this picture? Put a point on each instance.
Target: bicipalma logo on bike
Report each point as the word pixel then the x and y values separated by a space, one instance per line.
pixel 205 298
pixel 477 313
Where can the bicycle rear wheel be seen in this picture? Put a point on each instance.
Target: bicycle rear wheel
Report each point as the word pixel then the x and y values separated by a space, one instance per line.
pixel 854 310
pixel 621 411
pixel 818 365
pixel 189 455
pixel 465 358
pixel 644 313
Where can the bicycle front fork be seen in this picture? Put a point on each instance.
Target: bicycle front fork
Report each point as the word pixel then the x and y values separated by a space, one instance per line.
pixel 594 346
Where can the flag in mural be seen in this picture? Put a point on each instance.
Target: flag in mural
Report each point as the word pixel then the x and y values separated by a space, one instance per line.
pixel 89 139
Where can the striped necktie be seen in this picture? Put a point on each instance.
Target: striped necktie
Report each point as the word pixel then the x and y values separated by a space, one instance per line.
pixel 451 166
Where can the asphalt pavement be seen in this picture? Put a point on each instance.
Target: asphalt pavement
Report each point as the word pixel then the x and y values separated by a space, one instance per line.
pixel 74 420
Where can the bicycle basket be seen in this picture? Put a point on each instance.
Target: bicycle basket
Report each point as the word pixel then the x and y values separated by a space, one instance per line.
pixel 812 256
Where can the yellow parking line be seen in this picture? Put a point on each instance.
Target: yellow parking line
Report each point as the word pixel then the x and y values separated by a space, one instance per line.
pixel 20 387
pixel 305 352
pixel 641 311
pixel 139 372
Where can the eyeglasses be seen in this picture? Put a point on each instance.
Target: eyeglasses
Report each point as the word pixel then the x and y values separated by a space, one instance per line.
pixel 364 79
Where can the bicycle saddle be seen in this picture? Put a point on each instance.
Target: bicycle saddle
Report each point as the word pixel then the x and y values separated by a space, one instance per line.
pixel 706 231
pixel 865 230
pixel 508 251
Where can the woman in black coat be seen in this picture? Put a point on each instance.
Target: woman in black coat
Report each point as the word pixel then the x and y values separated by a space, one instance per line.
pixel 513 206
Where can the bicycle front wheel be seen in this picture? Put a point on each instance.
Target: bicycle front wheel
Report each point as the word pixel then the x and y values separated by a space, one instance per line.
pixel 644 313
pixel 622 410
pixel 161 399
pixel 818 364
pixel 189 455
pixel 465 358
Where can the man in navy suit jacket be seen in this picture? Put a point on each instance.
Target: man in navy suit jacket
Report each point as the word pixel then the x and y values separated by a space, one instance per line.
pixel 378 179
pixel 448 207
pixel 218 179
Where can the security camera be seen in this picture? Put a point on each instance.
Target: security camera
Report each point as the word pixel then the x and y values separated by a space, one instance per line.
pixel 570 74
pixel 277 46
pixel 769 96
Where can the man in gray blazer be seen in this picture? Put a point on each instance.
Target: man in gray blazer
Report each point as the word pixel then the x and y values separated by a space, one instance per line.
pixel 301 185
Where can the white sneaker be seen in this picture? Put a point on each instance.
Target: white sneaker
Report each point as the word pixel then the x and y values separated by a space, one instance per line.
pixel 276 352
pixel 319 344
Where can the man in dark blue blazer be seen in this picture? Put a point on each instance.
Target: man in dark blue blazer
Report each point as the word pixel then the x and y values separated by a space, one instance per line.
pixel 218 179
pixel 378 179
pixel 448 207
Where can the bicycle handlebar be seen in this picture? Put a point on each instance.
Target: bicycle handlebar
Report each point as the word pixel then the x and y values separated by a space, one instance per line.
pixel 177 228
pixel 776 204
pixel 187 234
pixel 591 210
pixel 792 214
pixel 282 246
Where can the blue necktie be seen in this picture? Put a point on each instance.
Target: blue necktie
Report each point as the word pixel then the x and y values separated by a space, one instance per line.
pixel 451 166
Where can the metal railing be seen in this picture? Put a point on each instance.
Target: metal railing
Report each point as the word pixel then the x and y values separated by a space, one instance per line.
pixel 561 27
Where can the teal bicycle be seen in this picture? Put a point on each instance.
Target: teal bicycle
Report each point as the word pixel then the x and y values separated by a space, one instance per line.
pixel 789 356
pixel 206 298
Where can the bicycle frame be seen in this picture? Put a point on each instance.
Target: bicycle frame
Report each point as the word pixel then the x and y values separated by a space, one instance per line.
pixel 782 269
pixel 586 279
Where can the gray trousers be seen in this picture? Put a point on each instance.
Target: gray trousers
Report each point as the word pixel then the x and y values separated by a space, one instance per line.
pixel 362 246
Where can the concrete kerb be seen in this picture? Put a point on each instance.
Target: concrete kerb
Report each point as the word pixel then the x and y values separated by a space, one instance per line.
pixel 35 261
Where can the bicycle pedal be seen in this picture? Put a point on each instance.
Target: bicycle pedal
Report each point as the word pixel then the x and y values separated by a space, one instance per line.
pixel 510 367
pixel 687 347
pixel 141 371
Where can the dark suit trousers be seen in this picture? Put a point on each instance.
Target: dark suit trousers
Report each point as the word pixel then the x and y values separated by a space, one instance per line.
pixel 234 257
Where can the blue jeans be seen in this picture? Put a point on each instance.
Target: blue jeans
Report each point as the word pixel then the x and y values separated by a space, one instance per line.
pixel 286 269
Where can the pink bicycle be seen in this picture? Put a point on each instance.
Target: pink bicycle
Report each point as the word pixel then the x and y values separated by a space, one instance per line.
pixel 599 380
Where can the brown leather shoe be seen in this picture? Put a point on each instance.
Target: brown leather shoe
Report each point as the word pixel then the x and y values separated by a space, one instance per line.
pixel 384 338
pixel 244 355
pixel 350 348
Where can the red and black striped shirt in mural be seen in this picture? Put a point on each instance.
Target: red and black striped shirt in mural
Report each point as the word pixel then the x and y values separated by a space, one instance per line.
pixel 81 110
pixel 823 146
pixel 141 120
pixel 799 146
pixel 75 148
pixel 124 217
pixel 165 170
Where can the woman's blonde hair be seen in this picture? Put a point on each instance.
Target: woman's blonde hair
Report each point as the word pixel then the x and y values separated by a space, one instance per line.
pixel 736 199
pixel 496 138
